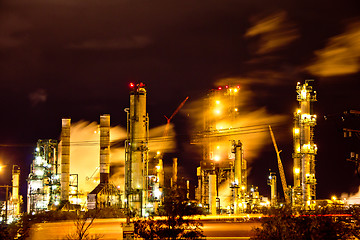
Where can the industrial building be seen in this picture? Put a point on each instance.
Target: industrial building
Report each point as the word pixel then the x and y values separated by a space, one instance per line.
pixel 10 208
pixel 304 190
pixel 222 174
pixel 44 179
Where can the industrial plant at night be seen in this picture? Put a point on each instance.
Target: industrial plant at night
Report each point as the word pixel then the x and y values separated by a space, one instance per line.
pixel 222 174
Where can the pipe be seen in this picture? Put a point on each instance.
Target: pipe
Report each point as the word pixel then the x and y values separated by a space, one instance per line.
pixel 212 194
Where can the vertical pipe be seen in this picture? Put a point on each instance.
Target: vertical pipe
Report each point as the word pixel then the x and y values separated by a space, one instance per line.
pixel 238 178
pixel 104 148
pixel 212 194
pixel 174 171
pixel 15 189
pixel 187 189
pixel 65 159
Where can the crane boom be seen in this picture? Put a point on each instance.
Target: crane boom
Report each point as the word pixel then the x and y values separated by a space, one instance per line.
pixel 281 168
pixel 174 113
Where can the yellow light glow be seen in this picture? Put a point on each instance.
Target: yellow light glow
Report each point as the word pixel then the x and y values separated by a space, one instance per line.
pixel 303 94
pixel 297 170
pixel 158 152
pixel 333 198
pixel 296 131
pixel 217 111
pixel 216 158
pixel 298 111
pixel 236 109
pixel 242 187
pixel 218 147
pixel 217 102
pixel 235 90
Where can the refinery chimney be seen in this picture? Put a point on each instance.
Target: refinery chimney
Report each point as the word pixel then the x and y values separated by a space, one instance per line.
pixel 239 176
pixel 104 148
pixel 136 150
pixel 174 173
pixel 65 159
pixel 304 192
pixel 15 189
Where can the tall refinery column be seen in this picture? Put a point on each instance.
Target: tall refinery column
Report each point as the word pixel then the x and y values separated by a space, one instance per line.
pixel 65 159
pixel 104 148
pixel 305 149
pixel 239 183
pixel 15 189
pixel 137 150
pixel 272 184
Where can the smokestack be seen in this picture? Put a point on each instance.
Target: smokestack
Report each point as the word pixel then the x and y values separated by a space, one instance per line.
pixel 174 177
pixel 15 189
pixel 104 148
pixel 65 159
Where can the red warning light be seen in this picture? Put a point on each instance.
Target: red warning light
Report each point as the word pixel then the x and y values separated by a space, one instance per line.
pixel 227 86
pixel 238 86
pixel 131 85
pixel 219 88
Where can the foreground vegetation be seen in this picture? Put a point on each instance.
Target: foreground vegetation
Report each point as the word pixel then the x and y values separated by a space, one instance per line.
pixel 324 223
pixel 20 229
pixel 177 225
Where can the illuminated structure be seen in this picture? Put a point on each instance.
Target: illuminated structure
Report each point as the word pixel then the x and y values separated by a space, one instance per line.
pixel 105 194
pixel 222 177
pixel 65 159
pixel 44 178
pixel 273 192
pixel 136 151
pixel 15 199
pixel 304 190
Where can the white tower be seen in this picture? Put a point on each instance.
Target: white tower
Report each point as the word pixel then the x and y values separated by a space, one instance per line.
pixel 304 193
pixel 136 151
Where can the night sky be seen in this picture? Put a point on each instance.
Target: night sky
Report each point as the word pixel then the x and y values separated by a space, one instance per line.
pixel 76 58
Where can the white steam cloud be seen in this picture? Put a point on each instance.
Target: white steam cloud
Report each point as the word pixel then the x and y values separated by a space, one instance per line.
pixel 85 152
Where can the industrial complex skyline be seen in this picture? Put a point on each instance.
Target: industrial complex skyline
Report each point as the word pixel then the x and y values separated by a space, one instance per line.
pixel 65 59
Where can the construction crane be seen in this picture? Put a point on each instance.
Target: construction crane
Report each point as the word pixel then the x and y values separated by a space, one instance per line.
pixel 281 168
pixel 174 113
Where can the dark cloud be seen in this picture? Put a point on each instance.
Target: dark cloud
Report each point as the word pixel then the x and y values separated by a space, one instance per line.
pixel 12 29
pixel 113 44
pixel 275 31
pixel 38 96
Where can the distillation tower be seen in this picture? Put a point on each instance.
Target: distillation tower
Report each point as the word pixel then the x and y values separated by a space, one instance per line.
pixel 136 151
pixel 304 190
